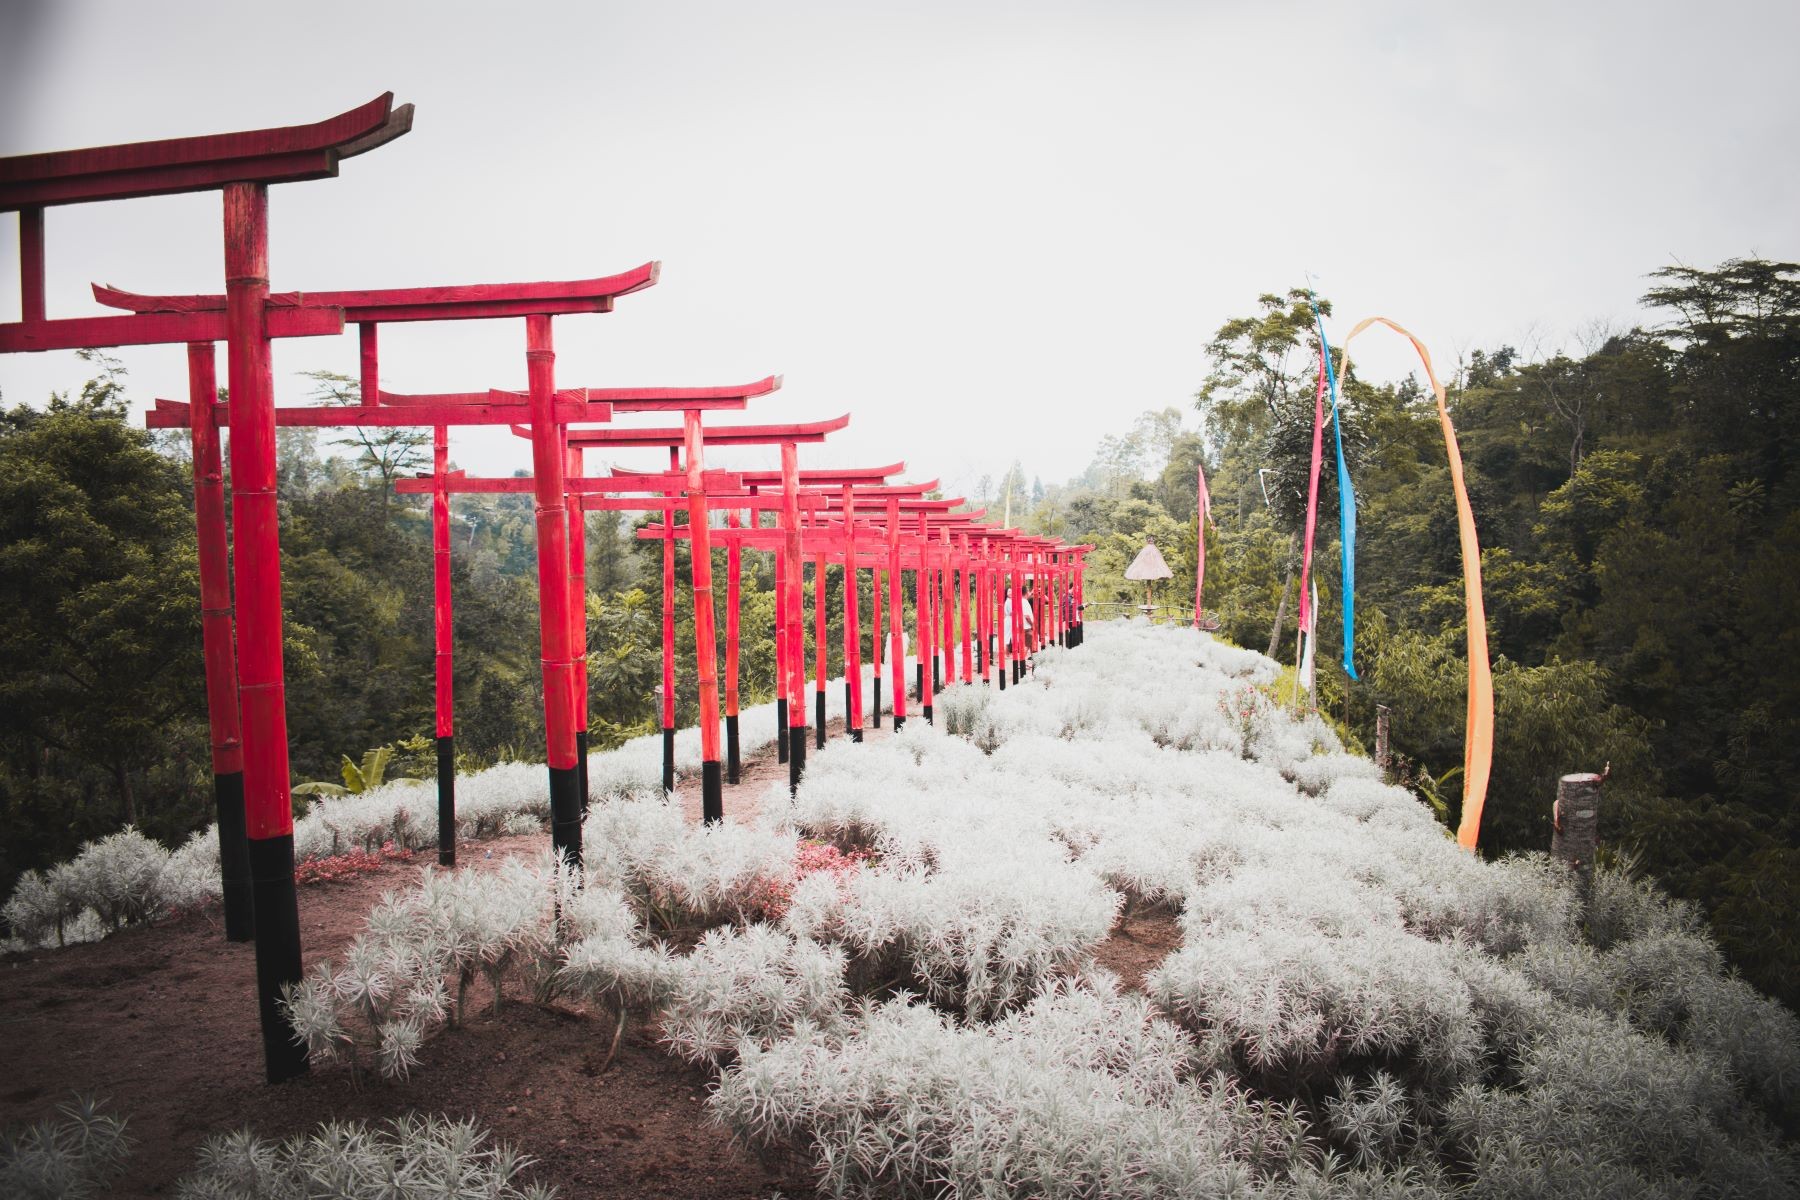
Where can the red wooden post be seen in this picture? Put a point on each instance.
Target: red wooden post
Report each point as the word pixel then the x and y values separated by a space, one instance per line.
pixel 712 790
pixel 369 358
pixel 947 609
pixel 553 592
pixel 922 598
pixel 268 806
pixel 31 264
pixel 781 650
pixel 820 646
pixel 578 638
pixel 852 624
pixel 896 616
pixel 668 635
pixel 444 638
pixel 877 658
pixel 733 571
pixel 1021 637
pixel 796 663
pixel 964 563
pixel 221 656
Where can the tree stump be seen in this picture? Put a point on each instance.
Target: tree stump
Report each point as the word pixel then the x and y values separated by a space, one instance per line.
pixel 1575 822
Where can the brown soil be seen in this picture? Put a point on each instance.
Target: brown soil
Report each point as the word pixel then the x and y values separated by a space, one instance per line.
pixel 1138 944
pixel 160 1023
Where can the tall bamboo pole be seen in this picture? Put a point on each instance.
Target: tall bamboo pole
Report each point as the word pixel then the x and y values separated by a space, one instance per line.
pixel 553 592
pixel 578 629
pixel 820 647
pixel 443 644
pixel 877 658
pixel 896 615
pixel 706 650
pixel 922 597
pixel 216 638
pixel 790 514
pixel 852 625
pixel 733 573
pixel 668 632
pixel 256 553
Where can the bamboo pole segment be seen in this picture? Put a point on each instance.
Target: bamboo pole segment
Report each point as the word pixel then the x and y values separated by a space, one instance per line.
pixel 922 597
pixel 790 518
pixel 444 642
pixel 1021 638
pixel 896 616
pixel 819 647
pixel 268 806
pixel 31 264
pixel 712 803
pixel 983 652
pixel 781 650
pixel 578 628
pixel 553 592
pixel 668 634
pixel 220 653
pixel 1002 614
pixel 733 574
pixel 878 659
pixel 852 624
pixel 947 612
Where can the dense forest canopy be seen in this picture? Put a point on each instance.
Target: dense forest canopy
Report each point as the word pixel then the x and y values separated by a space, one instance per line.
pixel 1635 497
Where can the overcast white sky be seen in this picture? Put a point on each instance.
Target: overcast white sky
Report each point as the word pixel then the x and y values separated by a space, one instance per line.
pixel 988 230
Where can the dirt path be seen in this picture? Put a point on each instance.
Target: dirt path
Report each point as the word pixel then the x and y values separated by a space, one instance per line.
pixel 161 1024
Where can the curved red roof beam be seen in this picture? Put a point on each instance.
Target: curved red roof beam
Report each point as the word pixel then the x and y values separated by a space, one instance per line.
pixel 457 302
pixel 196 164
pixel 718 435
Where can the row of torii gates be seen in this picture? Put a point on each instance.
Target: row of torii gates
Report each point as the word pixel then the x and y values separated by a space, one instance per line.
pixel 974 584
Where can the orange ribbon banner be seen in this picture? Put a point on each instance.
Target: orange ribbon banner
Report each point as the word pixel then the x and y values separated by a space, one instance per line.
pixel 1478 743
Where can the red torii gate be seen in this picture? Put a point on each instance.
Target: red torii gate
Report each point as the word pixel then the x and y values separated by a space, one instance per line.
pixel 241 166
pixel 837 542
pixel 369 309
pixel 437 484
pixel 691 439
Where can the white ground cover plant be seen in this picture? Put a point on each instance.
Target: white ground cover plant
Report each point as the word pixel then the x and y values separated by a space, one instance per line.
pixel 127 878
pixel 70 1156
pixel 1358 1007
pixel 409 1158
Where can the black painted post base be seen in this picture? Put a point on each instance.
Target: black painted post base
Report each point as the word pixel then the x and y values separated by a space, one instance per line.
pixel 796 757
pixel 234 857
pixel 781 731
pixel 856 736
pixel 712 794
pixel 899 724
pixel 446 789
pixel 819 716
pixel 581 766
pixel 277 952
pixel 1003 672
pixel 937 673
pixel 978 656
pixel 919 681
pixel 875 714
pixel 565 814
pixel 926 709
pixel 668 759
pixel 847 705
pixel 733 766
